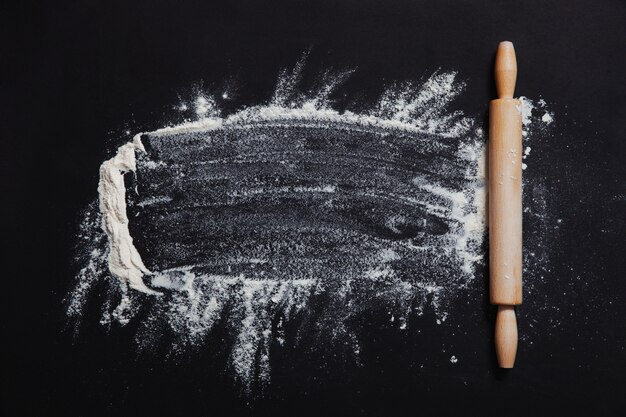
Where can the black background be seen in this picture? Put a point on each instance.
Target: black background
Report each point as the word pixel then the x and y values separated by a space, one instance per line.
pixel 77 74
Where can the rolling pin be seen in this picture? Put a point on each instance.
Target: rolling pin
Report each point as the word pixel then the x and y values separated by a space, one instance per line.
pixel 505 204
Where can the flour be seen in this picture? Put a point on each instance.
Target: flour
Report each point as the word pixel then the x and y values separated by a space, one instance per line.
pixel 124 261
pixel 254 219
pixel 527 107
pixel 546 118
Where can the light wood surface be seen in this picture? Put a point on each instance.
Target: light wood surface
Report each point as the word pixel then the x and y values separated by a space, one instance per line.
pixel 505 70
pixel 505 204
pixel 506 336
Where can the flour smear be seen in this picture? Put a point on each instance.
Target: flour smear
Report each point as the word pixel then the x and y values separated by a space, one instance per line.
pixel 292 212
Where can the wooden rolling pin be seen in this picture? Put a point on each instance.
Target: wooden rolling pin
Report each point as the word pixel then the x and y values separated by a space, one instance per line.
pixel 505 204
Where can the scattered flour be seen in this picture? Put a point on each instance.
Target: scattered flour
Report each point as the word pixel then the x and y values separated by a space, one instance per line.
pixel 187 300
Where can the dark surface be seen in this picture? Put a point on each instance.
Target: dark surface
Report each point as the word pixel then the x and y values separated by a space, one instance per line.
pixel 78 74
pixel 313 235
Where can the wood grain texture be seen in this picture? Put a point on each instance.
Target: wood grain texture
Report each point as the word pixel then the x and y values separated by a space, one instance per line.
pixel 505 71
pixel 505 204
pixel 506 336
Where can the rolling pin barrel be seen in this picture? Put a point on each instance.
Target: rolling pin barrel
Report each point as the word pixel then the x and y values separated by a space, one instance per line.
pixel 505 204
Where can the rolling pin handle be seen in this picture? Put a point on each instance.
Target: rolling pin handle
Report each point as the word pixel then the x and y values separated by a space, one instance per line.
pixel 505 70
pixel 506 336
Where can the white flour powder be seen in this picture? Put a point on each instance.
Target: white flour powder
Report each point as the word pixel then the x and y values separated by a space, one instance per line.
pixel 240 288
